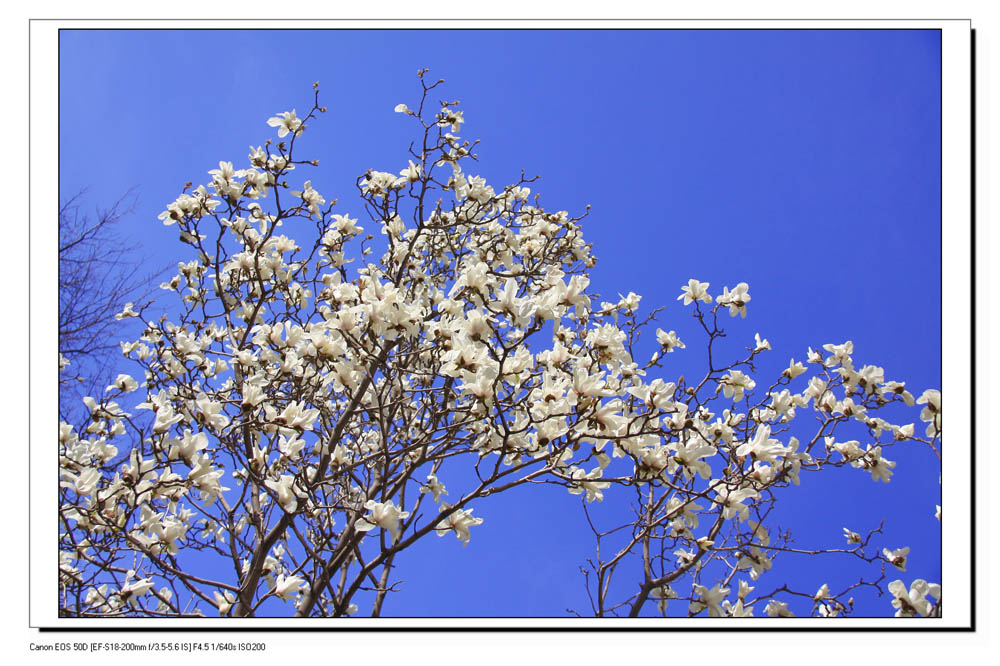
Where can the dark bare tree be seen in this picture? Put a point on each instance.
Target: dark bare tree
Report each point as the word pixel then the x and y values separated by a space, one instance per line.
pixel 100 271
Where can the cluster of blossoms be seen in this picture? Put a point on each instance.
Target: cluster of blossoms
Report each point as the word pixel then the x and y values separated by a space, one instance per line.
pixel 304 411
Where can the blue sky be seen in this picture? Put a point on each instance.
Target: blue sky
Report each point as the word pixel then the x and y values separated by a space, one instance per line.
pixel 806 163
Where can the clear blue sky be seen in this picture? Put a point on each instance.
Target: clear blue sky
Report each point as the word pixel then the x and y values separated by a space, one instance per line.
pixel 806 163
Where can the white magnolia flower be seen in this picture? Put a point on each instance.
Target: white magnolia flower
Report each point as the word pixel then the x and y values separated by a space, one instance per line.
pixel 711 599
pixel 762 446
pixel 310 197
pixel 383 514
pixel 459 521
pixel 126 312
pixel 689 456
pixel 737 609
pixel 830 608
pixel 890 389
pixel 903 433
pixel 794 369
pixel 433 486
pixel 587 482
pixel 872 460
pixel 123 383
pixel 754 559
pixel 84 483
pixel 736 299
pixel 97 596
pixel 285 587
pixel 668 341
pixel 840 355
pixel 224 601
pixel 286 122
pixel 732 501
pixel 897 558
pixel 379 183
pixel 932 412
pixel 290 447
pixel 695 291
pixel 912 602
pixel 411 173
pixel 735 383
pixel 778 609
pixel 451 117
pixel 663 594
pixel 132 590
pixel 287 492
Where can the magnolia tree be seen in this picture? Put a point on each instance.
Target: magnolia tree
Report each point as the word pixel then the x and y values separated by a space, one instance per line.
pixel 308 414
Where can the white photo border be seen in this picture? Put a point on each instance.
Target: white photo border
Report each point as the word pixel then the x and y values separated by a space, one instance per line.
pixel 957 352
